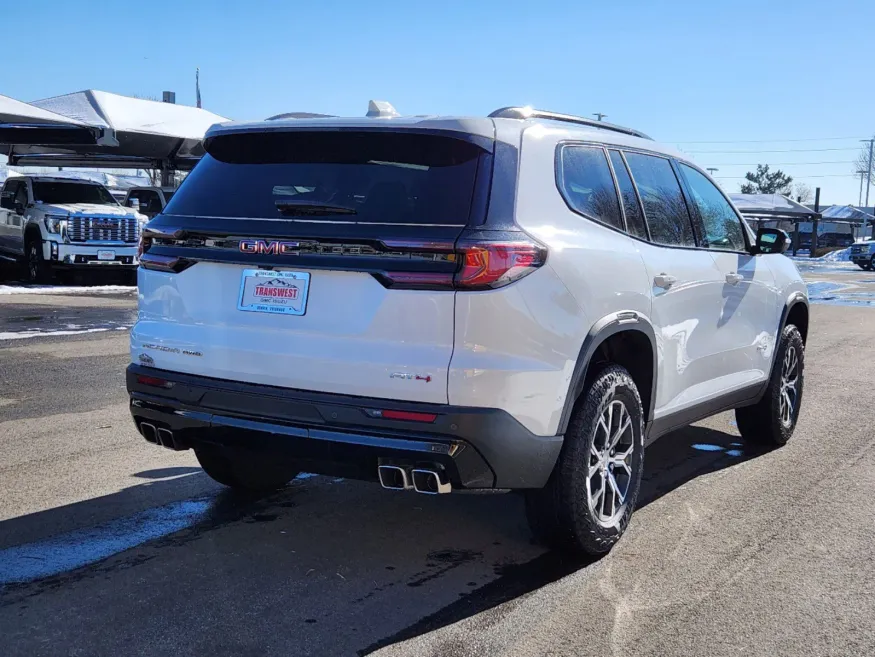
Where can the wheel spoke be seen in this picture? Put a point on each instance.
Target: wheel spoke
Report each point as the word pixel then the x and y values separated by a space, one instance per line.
pixel 604 495
pixel 620 432
pixel 604 427
pixel 620 496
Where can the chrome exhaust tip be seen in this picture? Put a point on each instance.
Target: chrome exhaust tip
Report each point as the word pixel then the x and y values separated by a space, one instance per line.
pixel 393 477
pixel 149 432
pixel 429 482
pixel 165 438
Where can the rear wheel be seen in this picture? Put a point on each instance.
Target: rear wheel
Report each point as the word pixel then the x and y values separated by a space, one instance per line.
pixel 244 469
pixel 589 499
pixel 772 420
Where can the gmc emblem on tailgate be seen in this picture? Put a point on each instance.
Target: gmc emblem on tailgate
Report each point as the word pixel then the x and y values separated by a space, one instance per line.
pixel 268 247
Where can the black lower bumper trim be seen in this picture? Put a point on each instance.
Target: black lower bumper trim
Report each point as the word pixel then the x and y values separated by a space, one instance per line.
pixel 331 434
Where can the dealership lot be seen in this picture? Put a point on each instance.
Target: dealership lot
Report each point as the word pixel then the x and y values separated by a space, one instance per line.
pixel 109 545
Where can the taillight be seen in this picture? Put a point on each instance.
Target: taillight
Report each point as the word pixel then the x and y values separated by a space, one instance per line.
pixel 476 265
pixel 487 265
pixel 144 244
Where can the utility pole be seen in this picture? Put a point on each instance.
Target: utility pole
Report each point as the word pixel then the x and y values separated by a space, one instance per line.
pixel 598 115
pixel 869 171
pixel 861 173
pixel 711 170
pixel 814 224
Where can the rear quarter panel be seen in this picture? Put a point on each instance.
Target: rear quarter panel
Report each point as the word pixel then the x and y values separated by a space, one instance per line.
pixel 516 348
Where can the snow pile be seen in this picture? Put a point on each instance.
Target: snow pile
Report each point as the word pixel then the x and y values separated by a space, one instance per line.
pixel 838 256
pixel 64 289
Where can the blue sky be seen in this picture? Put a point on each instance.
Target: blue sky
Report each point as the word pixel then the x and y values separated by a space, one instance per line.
pixel 684 72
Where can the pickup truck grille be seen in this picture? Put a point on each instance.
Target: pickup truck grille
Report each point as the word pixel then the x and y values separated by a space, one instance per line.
pixel 102 229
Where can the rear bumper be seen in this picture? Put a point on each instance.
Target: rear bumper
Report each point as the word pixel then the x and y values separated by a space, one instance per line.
pixel 332 434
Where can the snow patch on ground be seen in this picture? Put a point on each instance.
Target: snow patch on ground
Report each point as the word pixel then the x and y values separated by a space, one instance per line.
pixel 844 255
pixel 37 333
pixel 65 289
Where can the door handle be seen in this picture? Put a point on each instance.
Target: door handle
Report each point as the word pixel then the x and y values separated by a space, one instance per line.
pixel 734 279
pixel 664 281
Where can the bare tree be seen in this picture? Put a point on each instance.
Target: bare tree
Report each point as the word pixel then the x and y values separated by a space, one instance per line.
pixel 802 193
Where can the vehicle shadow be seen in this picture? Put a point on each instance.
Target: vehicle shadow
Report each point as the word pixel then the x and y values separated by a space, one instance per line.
pixel 327 566
pixel 670 462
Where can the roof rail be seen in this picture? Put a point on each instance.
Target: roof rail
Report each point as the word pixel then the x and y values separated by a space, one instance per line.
pixel 529 113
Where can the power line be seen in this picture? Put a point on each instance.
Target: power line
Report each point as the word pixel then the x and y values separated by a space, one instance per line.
pixel 768 141
pixel 826 175
pixel 782 164
pixel 789 150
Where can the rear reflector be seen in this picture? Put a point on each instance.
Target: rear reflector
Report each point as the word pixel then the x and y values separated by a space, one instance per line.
pixel 405 416
pixel 153 381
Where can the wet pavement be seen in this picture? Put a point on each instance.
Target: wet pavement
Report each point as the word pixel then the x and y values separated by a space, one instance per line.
pixel 109 545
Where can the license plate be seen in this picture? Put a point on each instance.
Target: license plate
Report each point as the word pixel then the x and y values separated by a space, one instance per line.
pixel 106 255
pixel 277 292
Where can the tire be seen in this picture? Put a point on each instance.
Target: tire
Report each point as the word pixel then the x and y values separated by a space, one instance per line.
pixel 243 469
pixel 564 514
pixel 36 269
pixel 769 422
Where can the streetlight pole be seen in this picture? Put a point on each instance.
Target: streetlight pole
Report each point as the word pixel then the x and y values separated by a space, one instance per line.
pixel 599 116
pixel 711 170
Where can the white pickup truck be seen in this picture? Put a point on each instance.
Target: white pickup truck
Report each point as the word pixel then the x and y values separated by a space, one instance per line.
pixel 49 224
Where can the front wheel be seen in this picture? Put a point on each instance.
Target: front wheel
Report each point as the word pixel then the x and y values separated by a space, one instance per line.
pixel 243 469
pixel 588 501
pixel 772 420
pixel 37 269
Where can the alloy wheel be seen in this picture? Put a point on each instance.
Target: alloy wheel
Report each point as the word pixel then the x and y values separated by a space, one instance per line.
pixel 33 262
pixel 610 472
pixel 789 386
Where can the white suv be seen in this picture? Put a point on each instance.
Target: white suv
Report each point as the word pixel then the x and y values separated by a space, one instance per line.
pixel 522 301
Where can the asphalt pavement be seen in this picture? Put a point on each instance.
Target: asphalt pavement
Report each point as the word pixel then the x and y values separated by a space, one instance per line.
pixel 111 546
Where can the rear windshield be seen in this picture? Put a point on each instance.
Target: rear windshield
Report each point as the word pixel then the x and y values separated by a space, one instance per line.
pixel 364 177
pixel 56 193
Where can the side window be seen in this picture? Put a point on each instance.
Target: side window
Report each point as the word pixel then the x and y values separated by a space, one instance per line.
pixel 664 207
pixel 721 226
pixel 20 197
pixel 634 215
pixel 587 185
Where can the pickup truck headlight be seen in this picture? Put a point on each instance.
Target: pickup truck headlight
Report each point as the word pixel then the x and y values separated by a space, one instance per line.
pixel 54 223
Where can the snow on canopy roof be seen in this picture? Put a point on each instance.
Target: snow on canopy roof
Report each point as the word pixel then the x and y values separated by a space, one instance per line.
pixel 848 213
pixel 769 204
pixel 134 133
pixel 15 111
pixel 123 113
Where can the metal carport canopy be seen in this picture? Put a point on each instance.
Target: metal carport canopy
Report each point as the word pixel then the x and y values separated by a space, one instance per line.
pixel 772 206
pixel 133 133
pixel 26 124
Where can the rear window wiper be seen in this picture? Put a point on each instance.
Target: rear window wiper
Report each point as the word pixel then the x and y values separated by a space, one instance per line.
pixel 311 209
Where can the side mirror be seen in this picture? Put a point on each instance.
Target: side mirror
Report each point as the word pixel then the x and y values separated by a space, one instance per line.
pixel 18 208
pixel 771 240
pixel 6 203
